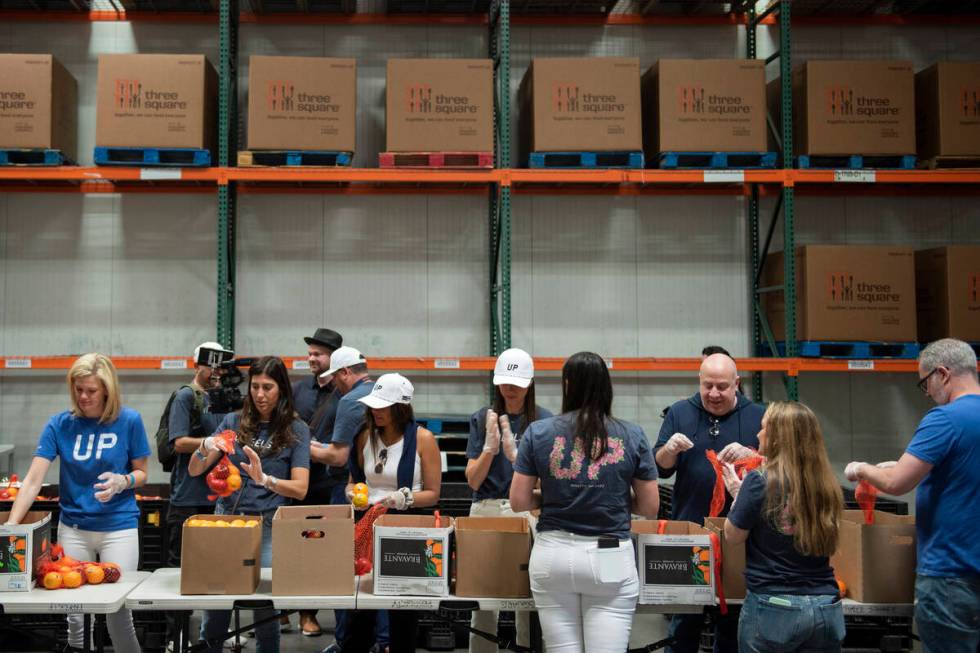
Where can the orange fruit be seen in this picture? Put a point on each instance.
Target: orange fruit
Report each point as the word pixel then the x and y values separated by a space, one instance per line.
pixel 234 482
pixel 238 523
pixel 361 488
pixel 64 569
pixel 72 579
pixel 52 580
pixel 12 491
pixel 842 586
pixel 360 500
pixel 94 574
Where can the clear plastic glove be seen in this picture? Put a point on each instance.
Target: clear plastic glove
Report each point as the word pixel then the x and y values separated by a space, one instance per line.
pixel 507 439
pixel 492 442
pixel 851 471
pixel 678 443
pixel 396 500
pixel 888 464
pixel 111 485
pixel 733 452
pixel 732 482
pixel 254 466
pixel 210 444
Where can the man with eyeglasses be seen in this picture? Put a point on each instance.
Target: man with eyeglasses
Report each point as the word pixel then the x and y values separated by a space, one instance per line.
pixel 943 462
pixel 719 418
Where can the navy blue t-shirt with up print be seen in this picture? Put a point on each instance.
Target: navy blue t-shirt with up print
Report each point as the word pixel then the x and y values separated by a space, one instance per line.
pixel 581 498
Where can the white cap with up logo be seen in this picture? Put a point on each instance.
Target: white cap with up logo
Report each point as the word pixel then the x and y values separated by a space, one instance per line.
pixel 514 367
pixel 389 389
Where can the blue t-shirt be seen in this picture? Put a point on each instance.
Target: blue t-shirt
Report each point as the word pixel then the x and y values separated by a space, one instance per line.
pixel 254 499
pixel 351 415
pixel 187 490
pixel 947 508
pixel 497 483
pixel 584 499
pixel 87 449
pixel 317 406
pixel 691 500
pixel 772 564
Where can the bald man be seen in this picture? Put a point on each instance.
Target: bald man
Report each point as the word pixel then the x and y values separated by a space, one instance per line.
pixel 716 417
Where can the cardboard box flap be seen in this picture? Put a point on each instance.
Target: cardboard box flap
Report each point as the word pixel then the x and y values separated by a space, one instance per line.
pixel 651 526
pixel 312 513
pixel 495 524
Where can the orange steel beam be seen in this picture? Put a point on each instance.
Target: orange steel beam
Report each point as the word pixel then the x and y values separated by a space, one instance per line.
pixel 363 175
pixel 951 176
pixel 108 173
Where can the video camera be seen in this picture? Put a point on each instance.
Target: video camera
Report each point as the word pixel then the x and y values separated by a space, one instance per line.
pixel 226 396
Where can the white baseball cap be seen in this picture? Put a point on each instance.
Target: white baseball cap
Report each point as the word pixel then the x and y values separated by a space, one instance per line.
pixel 514 367
pixel 389 389
pixel 225 354
pixel 344 357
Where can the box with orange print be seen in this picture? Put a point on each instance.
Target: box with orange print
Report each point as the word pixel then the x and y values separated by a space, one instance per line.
pixel 411 555
pixel 676 562
pixel 22 548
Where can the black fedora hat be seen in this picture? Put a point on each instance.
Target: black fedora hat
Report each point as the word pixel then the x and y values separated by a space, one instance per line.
pixel 326 338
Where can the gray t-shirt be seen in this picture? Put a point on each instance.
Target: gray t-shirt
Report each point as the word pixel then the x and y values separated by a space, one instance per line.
pixel 585 499
pixel 187 490
pixel 254 499
pixel 497 483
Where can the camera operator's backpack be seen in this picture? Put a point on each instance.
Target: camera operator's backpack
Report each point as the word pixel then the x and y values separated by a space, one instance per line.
pixel 165 449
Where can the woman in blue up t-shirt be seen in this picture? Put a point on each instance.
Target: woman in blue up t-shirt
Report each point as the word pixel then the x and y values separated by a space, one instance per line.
pixel 103 450
pixel 594 471
pixel 273 451
pixel 788 512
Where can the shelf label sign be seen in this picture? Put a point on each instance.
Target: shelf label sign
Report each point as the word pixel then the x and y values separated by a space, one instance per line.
pixel 724 176
pixel 855 176
pixel 165 174
pixel 446 364
pixel 17 363
pixel 173 364
pixel 860 365
pixel 301 364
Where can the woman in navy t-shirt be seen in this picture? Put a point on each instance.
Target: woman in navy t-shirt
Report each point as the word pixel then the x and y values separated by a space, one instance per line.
pixel 273 450
pixel 594 471
pixel 788 513
pixel 104 451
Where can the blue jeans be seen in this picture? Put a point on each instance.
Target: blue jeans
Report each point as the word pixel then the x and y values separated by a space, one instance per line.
pixel 791 622
pixel 214 624
pixel 686 631
pixel 947 613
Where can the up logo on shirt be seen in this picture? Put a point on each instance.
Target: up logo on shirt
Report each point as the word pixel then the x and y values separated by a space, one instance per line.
pixel 106 441
pixel 615 453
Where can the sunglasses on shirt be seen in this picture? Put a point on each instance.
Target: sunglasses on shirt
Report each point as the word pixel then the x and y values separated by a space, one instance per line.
pixel 715 429
pixel 382 461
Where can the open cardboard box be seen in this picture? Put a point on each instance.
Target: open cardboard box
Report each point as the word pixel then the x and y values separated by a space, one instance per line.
pixel 732 560
pixel 304 540
pixel 217 560
pixel 676 566
pixel 411 555
pixel 504 540
pixel 877 561
pixel 25 546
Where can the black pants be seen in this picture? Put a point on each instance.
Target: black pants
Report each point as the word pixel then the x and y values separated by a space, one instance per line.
pixel 176 516
pixel 360 635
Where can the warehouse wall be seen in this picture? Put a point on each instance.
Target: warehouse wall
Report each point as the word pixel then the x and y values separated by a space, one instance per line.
pixel 407 274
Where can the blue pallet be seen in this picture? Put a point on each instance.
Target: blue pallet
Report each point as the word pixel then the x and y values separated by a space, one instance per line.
pixel 153 156
pixel 712 160
pixel 849 349
pixel 32 157
pixel 857 161
pixel 293 158
pixel 586 160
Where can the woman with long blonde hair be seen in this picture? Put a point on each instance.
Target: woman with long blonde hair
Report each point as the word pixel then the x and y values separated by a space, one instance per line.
pixel 788 513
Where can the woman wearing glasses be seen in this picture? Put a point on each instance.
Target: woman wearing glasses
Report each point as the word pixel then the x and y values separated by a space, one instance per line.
pixel 273 450
pixel 788 513
pixel 399 460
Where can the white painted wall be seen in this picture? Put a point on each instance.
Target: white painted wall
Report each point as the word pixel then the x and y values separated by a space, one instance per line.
pixel 400 275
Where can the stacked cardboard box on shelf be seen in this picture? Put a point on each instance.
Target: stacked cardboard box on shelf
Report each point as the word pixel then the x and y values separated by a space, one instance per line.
pixel 947 281
pixel 947 105
pixel 38 99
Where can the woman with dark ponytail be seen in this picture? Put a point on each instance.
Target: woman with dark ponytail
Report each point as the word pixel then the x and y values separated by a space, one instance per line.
pixel 595 471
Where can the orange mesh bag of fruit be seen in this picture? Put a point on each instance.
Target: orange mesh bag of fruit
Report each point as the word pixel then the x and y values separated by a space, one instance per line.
pixel 742 467
pixel 62 571
pixel 866 494
pixel 224 479
pixel 364 539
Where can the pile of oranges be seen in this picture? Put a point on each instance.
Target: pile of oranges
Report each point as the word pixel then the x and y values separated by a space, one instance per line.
pixel 217 523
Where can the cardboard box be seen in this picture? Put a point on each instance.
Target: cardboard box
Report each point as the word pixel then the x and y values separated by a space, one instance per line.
pixel 947 109
pixel 506 541
pixel 947 292
pixel 580 105
pixel 671 565
pixel 217 560
pixel 732 560
pixel 851 107
pixel 38 104
pixel 24 547
pixel 439 105
pixel 877 562
pixel 302 535
pixel 704 105
pixel 155 100
pixel 846 292
pixel 302 103
pixel 411 555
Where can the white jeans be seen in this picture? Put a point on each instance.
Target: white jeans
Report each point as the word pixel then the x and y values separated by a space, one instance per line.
pixel 585 596
pixel 486 620
pixel 120 547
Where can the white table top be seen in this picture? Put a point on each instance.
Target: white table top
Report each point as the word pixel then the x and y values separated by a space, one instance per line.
pixel 162 592
pixel 367 600
pixel 851 608
pixel 105 598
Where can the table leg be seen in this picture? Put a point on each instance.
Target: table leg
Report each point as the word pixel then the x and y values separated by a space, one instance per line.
pixel 86 632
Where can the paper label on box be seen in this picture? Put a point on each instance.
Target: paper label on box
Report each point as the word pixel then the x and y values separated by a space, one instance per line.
pixel 676 570
pixel 410 565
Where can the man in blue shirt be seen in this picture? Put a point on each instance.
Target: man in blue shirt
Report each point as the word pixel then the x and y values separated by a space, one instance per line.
pixel 719 418
pixel 943 462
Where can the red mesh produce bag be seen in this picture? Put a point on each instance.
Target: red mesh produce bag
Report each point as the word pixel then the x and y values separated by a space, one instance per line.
pixel 718 493
pixel 866 494
pixel 364 539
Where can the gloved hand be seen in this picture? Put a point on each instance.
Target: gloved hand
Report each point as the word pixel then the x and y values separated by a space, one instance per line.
pixel 210 444
pixel 508 440
pixel 254 466
pixel 887 464
pixel 851 471
pixel 733 452
pixel 732 482
pixel 397 500
pixel 111 485
pixel 678 443
pixel 492 442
